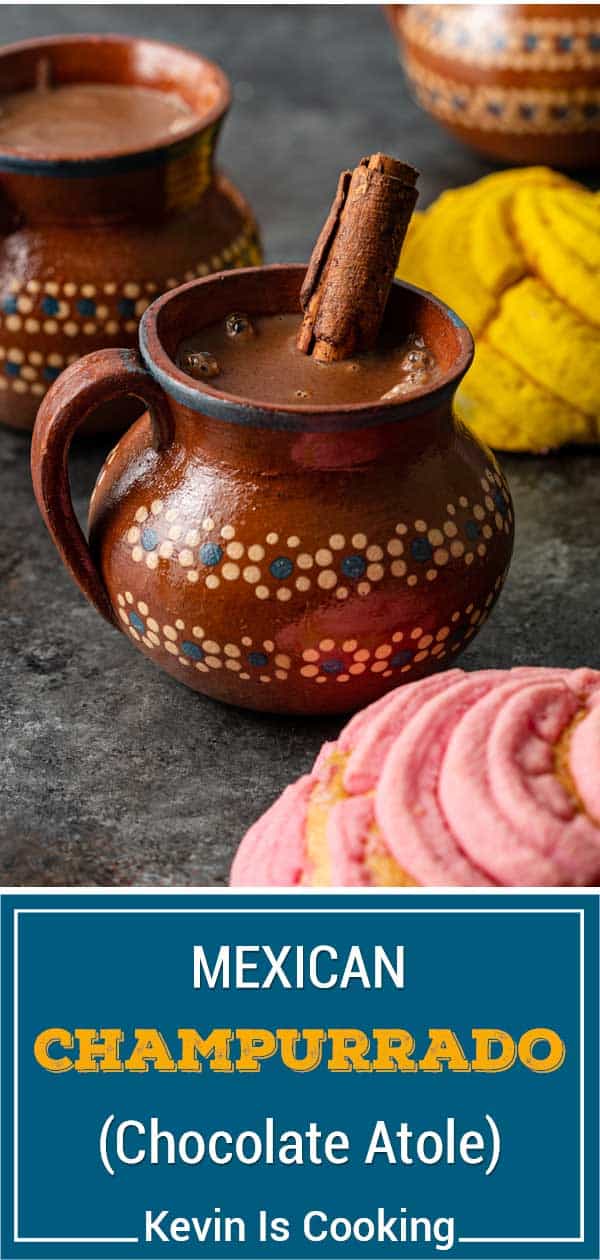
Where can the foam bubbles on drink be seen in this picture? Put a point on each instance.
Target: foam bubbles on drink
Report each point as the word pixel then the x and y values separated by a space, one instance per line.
pixel 417 366
pixel 238 326
pixel 200 364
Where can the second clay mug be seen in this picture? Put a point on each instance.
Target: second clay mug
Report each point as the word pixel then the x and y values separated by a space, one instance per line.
pixel 297 558
pixel 87 243
pixel 518 82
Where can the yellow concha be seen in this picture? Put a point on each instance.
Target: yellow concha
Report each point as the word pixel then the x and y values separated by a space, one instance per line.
pixel 561 266
pixel 549 342
pixel 517 255
pixel 511 411
pixel 506 262
pixel 575 220
pixel 440 247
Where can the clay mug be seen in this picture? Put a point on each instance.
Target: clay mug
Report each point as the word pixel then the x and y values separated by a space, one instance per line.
pixel 518 82
pixel 86 244
pixel 295 558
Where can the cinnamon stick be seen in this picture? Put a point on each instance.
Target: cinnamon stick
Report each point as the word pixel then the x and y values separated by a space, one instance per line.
pixel 352 267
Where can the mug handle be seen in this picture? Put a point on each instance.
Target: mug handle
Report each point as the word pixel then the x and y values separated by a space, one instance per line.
pixel 96 378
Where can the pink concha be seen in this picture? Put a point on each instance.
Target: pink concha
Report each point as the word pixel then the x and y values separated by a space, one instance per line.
pixel 353 730
pixel 466 779
pixel 585 758
pixel 486 790
pixel 272 853
pixel 372 739
pixel 349 824
pixel 322 766
pixel 538 804
pixel 406 804
pixel 422 829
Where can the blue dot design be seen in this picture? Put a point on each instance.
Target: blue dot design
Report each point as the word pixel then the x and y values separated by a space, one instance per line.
pixel 332 666
pixel 137 622
pixel 50 305
pixel 86 307
pixel 126 308
pixel 149 539
pixel 281 567
pixel 192 650
pixel 459 631
pixel 258 659
pixel 353 566
pixel 210 553
pixel 500 502
pixel 421 550
pixel 401 658
pixel 472 530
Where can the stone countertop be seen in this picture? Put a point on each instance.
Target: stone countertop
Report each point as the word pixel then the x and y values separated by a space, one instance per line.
pixel 110 772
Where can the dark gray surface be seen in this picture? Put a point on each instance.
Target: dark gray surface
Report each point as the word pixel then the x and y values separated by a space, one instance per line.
pixel 111 773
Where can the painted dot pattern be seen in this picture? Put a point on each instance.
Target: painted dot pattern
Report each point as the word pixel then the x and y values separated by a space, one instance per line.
pixel 330 661
pixel 280 567
pixel 86 311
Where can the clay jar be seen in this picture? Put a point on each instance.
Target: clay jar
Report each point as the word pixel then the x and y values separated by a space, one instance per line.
pixel 518 82
pixel 88 242
pixel 285 558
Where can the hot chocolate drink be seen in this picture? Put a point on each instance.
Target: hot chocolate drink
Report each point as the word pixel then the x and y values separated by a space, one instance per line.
pixel 256 357
pixel 77 119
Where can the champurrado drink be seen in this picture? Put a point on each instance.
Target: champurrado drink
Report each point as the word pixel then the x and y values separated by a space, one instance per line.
pixel 256 357
pixel 76 119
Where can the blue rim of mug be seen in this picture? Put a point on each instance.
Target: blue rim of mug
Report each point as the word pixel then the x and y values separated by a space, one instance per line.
pixel 77 168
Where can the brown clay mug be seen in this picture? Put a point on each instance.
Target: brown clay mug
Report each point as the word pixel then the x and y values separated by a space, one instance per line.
pixel 86 244
pixel 287 558
pixel 518 82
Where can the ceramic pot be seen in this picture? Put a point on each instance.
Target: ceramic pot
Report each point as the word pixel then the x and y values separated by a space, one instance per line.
pixel 280 557
pixel 86 244
pixel 518 82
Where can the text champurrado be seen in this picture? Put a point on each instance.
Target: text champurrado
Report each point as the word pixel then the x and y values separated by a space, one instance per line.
pixel 225 1050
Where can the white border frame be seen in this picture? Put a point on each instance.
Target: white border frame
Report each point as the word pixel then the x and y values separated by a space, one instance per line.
pixel 17 913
